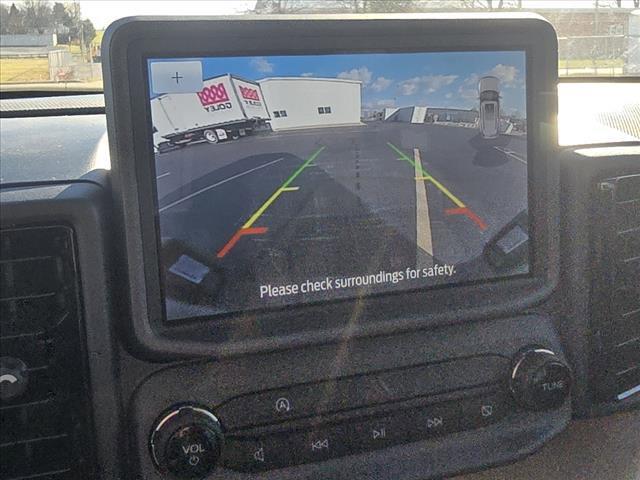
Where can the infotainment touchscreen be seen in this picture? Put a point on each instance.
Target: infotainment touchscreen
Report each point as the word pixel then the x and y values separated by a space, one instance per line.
pixel 289 180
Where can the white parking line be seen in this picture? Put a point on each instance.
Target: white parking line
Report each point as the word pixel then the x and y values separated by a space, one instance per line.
pixel 165 174
pixel 184 199
pixel 424 239
pixel 511 154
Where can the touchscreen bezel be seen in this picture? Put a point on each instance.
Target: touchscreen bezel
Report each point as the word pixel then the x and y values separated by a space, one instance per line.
pixel 129 43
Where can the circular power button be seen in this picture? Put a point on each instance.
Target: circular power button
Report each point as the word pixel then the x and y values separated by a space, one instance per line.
pixel 186 443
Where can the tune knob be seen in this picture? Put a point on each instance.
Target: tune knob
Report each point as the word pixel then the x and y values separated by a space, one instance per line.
pixel 539 379
pixel 186 442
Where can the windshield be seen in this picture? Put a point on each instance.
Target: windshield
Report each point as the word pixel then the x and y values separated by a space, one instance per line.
pixel 47 45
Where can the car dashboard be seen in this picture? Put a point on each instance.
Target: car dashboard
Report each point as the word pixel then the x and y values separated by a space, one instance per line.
pixel 91 391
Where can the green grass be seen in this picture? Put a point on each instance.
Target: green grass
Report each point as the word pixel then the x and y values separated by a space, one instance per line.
pixel 18 70
pixel 74 49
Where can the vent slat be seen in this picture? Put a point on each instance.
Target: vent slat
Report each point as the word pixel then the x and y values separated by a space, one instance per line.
pixel 25 259
pixel 45 428
pixel 52 474
pixel 35 296
pixel 33 440
pixel 628 383
pixel 628 188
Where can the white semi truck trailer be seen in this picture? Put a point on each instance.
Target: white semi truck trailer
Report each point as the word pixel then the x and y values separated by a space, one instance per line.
pixel 227 107
pixel 489 93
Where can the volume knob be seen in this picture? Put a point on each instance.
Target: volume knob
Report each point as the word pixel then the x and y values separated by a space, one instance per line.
pixel 540 380
pixel 186 442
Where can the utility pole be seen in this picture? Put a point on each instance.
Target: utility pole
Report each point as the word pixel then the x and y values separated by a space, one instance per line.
pixel 83 53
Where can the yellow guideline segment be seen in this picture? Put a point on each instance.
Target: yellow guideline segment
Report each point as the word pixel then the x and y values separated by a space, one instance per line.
pixel 261 210
pixel 283 188
pixel 427 176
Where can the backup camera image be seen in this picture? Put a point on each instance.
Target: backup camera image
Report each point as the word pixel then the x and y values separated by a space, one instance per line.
pixel 284 180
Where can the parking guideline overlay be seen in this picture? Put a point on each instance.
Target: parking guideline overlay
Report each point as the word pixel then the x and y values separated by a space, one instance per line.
pixel 248 228
pixel 461 208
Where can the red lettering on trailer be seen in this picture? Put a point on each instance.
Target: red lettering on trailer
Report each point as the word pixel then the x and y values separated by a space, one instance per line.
pixel 213 94
pixel 249 93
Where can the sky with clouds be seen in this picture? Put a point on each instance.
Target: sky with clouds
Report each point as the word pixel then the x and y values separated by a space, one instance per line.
pixel 443 79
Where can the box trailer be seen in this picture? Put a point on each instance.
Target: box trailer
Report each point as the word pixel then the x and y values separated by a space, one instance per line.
pixel 489 94
pixel 227 107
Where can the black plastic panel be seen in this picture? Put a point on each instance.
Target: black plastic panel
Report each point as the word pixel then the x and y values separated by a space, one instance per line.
pixel 582 293
pixel 491 344
pixel 80 206
pixel 46 429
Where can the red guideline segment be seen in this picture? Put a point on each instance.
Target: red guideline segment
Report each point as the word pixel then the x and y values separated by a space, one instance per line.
pixel 469 214
pixel 236 236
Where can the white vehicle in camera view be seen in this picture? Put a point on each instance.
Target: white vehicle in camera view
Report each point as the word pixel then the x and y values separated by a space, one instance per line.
pixel 227 107
pixel 489 93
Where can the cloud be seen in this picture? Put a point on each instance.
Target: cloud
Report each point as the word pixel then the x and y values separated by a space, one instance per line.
pixel 380 104
pixel 261 64
pixel 472 80
pixel 448 95
pixel 307 74
pixel 430 83
pixel 362 74
pixel 508 74
pixel 385 102
pixel 409 87
pixel 467 93
pixel 380 84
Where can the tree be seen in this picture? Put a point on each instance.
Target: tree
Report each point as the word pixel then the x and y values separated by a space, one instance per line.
pixel 381 6
pixel 37 15
pixel 4 15
pixel 88 31
pixel 489 4
pixel 15 21
pixel 59 12
pixel 61 22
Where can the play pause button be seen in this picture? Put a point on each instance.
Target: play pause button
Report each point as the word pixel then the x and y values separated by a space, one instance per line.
pixel 376 433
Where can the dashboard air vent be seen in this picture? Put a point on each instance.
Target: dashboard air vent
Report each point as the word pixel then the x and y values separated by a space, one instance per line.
pixel 44 405
pixel 616 289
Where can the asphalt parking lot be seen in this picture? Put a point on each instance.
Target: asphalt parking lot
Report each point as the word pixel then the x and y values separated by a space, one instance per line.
pixel 283 208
